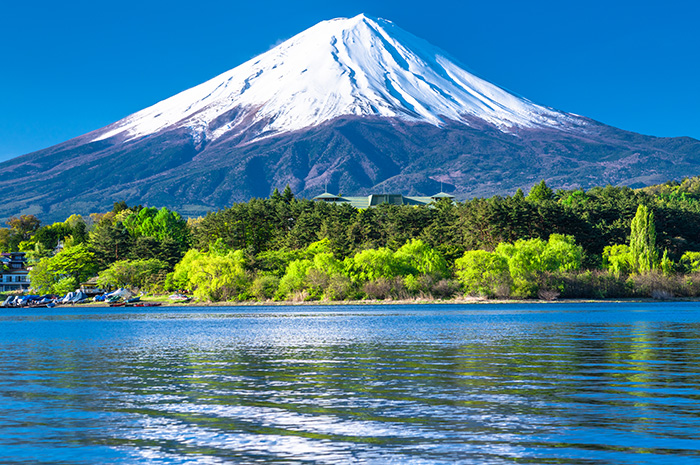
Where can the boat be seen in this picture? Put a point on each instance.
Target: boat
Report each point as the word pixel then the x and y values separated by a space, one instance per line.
pixel 147 304
pixel 180 298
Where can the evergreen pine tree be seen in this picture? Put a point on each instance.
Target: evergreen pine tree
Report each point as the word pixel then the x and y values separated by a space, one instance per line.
pixel 540 193
pixel 287 195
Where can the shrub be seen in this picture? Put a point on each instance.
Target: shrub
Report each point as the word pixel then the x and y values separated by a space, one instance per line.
pixel 264 287
pixel 294 279
pixel 618 259
pixel 132 273
pixel 690 261
pixel 220 277
pixel 483 273
pixel 339 288
pixel 445 288
pixel 384 288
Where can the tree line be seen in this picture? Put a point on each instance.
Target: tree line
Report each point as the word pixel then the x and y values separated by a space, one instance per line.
pixel 604 242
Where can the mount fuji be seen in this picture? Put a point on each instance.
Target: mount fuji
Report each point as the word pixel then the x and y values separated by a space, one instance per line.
pixel 354 104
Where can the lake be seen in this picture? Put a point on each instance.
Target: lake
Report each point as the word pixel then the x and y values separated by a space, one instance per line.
pixel 578 383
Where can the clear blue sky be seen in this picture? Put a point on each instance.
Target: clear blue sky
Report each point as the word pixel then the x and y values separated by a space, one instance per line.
pixel 71 67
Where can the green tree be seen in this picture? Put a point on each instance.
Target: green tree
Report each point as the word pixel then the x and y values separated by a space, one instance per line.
pixel 691 262
pixel 76 262
pixel 287 195
pixel 294 280
pixel 419 258
pixel 530 259
pixel 618 259
pixel 24 226
pixel 540 193
pixel 131 273
pixel 216 278
pixel 484 273
pixel 180 277
pixel 645 257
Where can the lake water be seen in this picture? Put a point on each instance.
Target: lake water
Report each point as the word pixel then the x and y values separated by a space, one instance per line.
pixel 601 383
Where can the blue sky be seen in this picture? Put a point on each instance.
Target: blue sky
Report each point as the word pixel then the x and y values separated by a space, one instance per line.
pixel 72 67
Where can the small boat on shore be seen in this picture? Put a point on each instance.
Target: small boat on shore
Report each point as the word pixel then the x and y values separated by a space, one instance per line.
pixel 180 298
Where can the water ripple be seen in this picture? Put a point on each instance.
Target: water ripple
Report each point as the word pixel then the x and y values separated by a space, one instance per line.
pixel 581 384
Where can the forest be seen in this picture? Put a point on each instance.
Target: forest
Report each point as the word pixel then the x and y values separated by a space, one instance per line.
pixel 607 242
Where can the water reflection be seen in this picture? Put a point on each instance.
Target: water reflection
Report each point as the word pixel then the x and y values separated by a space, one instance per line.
pixel 432 384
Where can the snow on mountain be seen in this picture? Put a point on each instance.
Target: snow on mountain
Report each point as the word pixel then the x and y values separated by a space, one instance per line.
pixel 357 66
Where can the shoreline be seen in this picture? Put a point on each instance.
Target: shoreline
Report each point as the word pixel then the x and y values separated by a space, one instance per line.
pixel 347 303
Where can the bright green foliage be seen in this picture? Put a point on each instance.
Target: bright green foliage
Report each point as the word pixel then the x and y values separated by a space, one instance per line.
pixel 691 262
pixel 419 256
pixel 294 279
pixel 131 273
pixel 527 259
pixel 575 198
pixel 312 274
pixel 318 247
pixel 219 274
pixel 265 287
pixel 65 285
pixel 72 262
pixel 37 253
pixel 372 264
pixel 666 264
pixel 180 277
pixel 562 254
pixel 216 277
pixel 328 264
pixel 618 259
pixel 645 257
pixel 42 277
pixel 158 224
pixel 277 261
pixel 484 273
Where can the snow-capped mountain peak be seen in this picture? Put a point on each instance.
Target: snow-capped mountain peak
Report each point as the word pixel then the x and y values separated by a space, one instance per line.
pixel 346 66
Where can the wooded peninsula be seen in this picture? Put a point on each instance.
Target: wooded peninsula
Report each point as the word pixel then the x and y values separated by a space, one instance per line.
pixel 607 242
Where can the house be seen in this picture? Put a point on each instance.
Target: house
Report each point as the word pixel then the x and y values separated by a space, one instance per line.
pixel 91 287
pixel 373 200
pixel 14 275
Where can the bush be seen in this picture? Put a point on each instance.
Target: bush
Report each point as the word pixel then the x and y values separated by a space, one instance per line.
pixel 264 287
pixel 294 279
pixel 653 284
pixel 143 274
pixel 339 288
pixel 445 288
pixel 585 285
pixel 483 273
pixel 220 277
pixel 384 288
pixel 690 261
pixel 618 259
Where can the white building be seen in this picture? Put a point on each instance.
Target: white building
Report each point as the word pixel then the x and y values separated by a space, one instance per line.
pixel 14 275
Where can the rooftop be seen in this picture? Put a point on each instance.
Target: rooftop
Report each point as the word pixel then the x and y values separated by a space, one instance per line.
pixel 378 199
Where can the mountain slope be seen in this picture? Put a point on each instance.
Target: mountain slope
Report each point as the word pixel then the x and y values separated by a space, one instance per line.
pixel 355 104
pixel 357 66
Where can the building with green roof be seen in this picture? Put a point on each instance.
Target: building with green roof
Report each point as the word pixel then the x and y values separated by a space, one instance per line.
pixel 373 200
